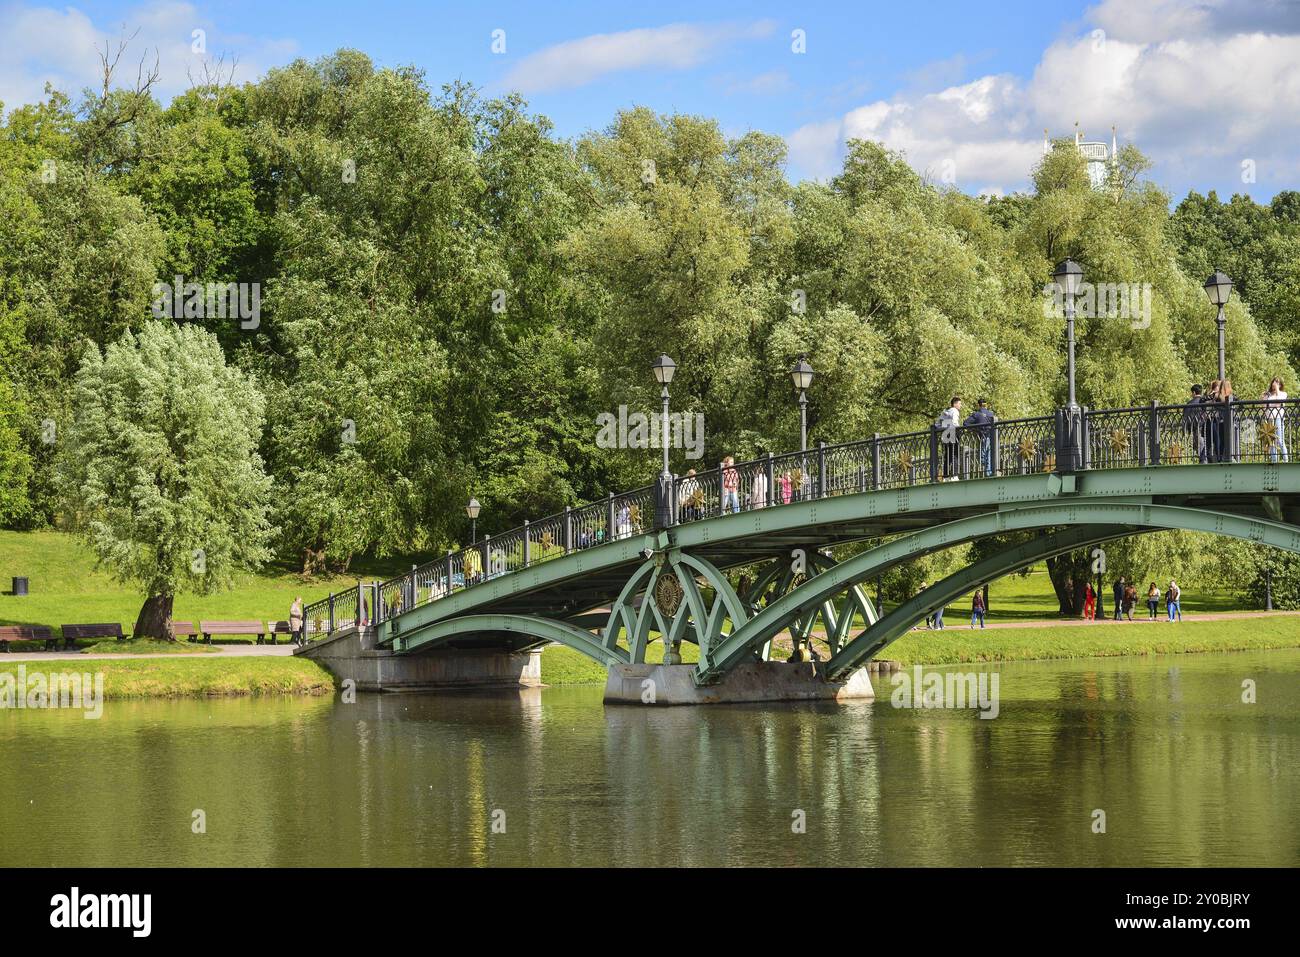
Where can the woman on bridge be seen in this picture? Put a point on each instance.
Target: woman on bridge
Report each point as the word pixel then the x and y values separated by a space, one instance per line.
pixel 1273 414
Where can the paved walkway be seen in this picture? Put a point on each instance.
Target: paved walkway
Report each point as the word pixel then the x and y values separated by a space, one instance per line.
pixel 954 619
pixel 223 651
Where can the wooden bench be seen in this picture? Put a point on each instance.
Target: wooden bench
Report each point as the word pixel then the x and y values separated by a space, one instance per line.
pixel 10 633
pixel 210 628
pixel 274 628
pixel 182 629
pixel 101 630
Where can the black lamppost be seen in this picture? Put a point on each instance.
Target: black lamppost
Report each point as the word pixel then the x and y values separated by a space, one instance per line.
pixel 664 368
pixel 1219 288
pixel 802 376
pixel 472 511
pixel 1069 277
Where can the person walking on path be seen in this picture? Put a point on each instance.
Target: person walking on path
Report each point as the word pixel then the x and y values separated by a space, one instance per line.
pixel 295 622
pixel 1153 601
pixel 948 421
pixel 977 607
pixel 1130 600
pixel 1118 591
pixel 1090 604
pixel 1274 414
pixel 981 421
pixel 1174 601
pixel 730 486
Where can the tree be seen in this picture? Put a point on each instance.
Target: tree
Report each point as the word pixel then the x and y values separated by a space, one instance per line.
pixel 159 469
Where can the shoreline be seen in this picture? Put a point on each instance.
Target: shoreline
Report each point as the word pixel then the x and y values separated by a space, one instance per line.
pixel 253 671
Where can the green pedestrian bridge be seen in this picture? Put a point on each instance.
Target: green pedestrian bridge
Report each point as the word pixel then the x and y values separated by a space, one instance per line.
pixel 659 563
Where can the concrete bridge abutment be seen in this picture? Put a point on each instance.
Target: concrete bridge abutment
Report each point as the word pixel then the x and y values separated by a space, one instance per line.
pixel 350 654
pixel 755 681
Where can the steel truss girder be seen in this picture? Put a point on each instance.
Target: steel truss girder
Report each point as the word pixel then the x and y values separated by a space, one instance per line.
pixel 899 622
pixel 782 575
pixel 442 632
pixel 1067 512
pixel 693 620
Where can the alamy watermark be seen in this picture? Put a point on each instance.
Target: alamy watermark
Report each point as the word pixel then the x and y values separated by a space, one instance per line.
pixel 57 689
pixel 640 431
pixel 946 689
pixel 1103 300
pixel 209 300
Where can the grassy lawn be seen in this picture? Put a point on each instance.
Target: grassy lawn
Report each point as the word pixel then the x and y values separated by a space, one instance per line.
pixel 65 588
pixel 954 645
pixel 147 646
pixel 199 676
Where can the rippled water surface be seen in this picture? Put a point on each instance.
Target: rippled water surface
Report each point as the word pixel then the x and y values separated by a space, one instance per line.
pixel 1185 772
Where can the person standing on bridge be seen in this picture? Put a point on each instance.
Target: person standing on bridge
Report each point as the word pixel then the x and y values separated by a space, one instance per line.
pixel 981 421
pixel 787 491
pixel 1227 424
pixel 758 488
pixel 730 486
pixel 1194 423
pixel 1118 592
pixel 948 421
pixel 690 497
pixel 1274 414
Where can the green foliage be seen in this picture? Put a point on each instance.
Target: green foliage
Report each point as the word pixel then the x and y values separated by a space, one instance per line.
pixel 159 467
pixel 451 295
pixel 1270 566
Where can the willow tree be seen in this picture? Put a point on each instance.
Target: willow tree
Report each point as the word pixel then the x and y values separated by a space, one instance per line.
pixel 159 470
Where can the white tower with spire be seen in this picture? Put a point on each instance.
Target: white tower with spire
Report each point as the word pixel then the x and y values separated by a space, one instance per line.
pixel 1100 160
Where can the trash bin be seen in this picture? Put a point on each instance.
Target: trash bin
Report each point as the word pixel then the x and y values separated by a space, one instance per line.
pixel 20 586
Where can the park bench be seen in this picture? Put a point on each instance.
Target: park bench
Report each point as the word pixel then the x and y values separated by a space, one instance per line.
pixel 274 628
pixel 210 628
pixel 10 633
pixel 101 630
pixel 181 629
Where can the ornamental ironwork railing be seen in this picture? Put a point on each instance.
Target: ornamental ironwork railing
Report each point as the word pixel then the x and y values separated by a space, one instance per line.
pixel 1154 435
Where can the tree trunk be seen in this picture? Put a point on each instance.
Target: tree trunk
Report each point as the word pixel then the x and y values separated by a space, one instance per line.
pixel 155 620
pixel 1069 574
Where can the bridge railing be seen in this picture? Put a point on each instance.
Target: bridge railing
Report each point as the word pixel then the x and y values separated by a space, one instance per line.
pixel 1247 431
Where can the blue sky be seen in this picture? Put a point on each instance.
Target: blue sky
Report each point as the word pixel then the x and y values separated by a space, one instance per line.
pixel 1209 89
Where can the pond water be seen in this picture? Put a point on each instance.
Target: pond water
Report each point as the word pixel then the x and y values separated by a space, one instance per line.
pixel 1185 772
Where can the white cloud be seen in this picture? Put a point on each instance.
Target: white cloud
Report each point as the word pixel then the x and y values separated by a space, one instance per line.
pixel 678 46
pixel 1198 85
pixel 44 44
pixel 765 84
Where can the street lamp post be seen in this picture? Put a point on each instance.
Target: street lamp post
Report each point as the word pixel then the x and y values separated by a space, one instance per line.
pixel 664 368
pixel 802 376
pixel 472 511
pixel 1219 288
pixel 1069 453
pixel 1069 277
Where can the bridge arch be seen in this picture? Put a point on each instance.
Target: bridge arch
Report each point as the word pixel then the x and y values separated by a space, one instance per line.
pixel 1108 520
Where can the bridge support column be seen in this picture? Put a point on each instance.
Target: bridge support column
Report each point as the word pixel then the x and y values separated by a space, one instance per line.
pixel 350 655
pixel 646 684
